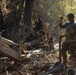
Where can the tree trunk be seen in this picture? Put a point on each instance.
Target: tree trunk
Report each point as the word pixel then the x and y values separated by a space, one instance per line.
pixel 2 25
pixel 27 11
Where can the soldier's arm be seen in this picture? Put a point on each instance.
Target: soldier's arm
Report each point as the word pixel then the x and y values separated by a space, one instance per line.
pixel 60 24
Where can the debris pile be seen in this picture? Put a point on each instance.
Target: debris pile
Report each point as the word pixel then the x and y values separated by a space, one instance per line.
pixel 36 36
pixel 37 63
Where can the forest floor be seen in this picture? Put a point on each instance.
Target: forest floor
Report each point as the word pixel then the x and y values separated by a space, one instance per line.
pixel 37 62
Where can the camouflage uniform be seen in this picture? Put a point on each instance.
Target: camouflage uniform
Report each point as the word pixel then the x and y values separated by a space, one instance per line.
pixel 70 38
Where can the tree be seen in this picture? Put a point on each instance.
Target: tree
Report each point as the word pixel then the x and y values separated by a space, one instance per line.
pixel 28 11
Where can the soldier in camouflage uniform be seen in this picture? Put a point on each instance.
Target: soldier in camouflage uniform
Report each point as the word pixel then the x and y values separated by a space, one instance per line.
pixel 70 35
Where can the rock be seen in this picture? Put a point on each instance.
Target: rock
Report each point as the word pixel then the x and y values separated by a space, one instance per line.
pixel 57 68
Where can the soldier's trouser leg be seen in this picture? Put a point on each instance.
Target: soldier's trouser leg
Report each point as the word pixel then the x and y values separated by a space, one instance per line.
pixel 64 52
pixel 64 57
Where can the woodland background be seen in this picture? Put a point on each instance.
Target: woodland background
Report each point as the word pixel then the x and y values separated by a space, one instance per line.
pixel 34 24
pixel 17 13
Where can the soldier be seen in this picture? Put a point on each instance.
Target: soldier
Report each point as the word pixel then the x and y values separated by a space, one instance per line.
pixel 70 37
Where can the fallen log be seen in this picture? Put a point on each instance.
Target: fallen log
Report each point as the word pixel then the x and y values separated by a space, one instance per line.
pixel 9 42
pixel 34 42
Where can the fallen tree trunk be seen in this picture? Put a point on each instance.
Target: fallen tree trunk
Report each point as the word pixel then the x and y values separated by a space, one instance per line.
pixel 34 42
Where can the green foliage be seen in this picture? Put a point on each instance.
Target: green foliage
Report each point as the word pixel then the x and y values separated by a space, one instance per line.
pixel 52 10
pixel 48 10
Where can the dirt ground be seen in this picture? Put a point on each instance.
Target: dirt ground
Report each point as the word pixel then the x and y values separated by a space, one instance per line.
pixel 37 63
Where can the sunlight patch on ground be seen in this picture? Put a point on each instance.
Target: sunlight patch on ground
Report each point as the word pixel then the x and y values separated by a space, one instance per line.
pixel 56 46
